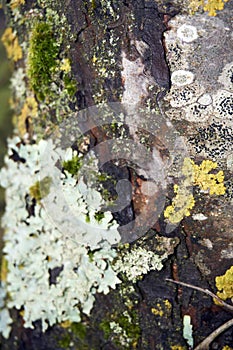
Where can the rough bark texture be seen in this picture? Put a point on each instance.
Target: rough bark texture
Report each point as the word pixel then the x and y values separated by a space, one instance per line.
pixel 156 306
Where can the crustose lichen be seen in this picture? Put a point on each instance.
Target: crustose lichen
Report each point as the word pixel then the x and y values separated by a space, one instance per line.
pixel 211 6
pixel 194 175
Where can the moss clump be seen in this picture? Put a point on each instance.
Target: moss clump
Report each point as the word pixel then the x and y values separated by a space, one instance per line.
pixel 65 341
pixel 123 332
pixel 99 215
pixel 79 329
pixel 122 325
pixel 42 58
pixel 74 165
pixel 70 85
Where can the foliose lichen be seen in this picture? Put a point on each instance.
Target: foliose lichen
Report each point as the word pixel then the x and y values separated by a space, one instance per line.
pixel 34 246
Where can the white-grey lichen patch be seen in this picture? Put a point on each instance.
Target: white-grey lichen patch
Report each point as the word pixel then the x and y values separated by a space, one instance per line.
pixel 18 83
pixel 121 334
pixel 214 141
pixel 205 99
pixel 50 274
pixel 187 33
pixel 228 252
pixel 138 262
pixel 230 161
pixel 199 47
pixel 223 104
pixel 182 96
pixel 226 77
pixel 5 318
pixel 197 112
pixel 182 77
pixel 135 81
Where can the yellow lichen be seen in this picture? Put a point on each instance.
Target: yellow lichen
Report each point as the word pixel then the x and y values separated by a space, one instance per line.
pixel 224 285
pixel 210 6
pixel 4 269
pixel 167 304
pixel 65 65
pixel 227 347
pixel 11 44
pixel 158 311
pixel 177 347
pixel 16 3
pixel 181 205
pixel 206 181
pixel 194 175
pixel 162 308
pixel 66 324
pixel 29 111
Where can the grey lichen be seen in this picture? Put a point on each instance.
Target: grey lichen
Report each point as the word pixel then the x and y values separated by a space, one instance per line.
pixel 34 246
pixel 206 94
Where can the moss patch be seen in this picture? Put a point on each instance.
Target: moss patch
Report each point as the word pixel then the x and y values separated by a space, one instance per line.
pixel 42 58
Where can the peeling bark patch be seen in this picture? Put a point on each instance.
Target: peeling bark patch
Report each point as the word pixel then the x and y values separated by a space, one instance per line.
pixel 134 80
pixel 150 29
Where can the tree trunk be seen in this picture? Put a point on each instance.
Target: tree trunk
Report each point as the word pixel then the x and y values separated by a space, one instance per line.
pixel 169 74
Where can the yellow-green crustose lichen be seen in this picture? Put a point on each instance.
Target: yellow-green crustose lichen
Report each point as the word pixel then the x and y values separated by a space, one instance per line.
pixel 211 6
pixel 194 175
pixel 11 43
pixel 224 285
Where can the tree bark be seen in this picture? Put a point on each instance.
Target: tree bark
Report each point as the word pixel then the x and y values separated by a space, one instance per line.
pixel 120 53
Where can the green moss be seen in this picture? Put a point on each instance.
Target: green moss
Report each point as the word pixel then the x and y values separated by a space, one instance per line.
pixel 99 215
pixel 79 330
pixel 105 327
pixel 121 326
pixel 122 329
pixel 70 85
pixel 88 219
pixel 42 58
pixel 65 341
pixel 73 165
pixel 130 326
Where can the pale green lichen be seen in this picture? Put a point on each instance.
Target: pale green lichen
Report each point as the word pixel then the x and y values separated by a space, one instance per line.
pixel 5 318
pixel 188 330
pixel 34 245
pixel 137 261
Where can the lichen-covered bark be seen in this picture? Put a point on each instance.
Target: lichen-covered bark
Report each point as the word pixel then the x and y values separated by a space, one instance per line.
pixel 128 52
